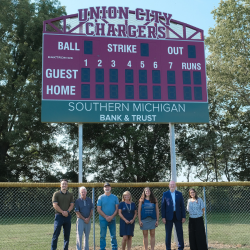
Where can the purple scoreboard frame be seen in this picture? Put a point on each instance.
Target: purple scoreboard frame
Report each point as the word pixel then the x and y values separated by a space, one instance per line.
pixel 109 64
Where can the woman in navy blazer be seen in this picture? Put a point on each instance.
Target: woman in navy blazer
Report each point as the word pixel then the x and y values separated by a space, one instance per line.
pixel 173 211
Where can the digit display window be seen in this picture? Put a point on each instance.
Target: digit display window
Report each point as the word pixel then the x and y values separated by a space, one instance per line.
pixel 93 68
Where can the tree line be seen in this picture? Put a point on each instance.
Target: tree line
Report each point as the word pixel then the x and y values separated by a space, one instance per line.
pixel 122 152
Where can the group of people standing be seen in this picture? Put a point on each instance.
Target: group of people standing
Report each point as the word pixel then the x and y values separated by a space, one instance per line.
pixel 172 212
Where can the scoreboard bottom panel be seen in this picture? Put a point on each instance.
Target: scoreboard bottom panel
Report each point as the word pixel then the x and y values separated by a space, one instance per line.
pixel 124 112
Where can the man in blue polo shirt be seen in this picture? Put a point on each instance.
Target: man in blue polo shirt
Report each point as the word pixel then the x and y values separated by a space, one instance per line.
pixel 107 207
pixel 84 211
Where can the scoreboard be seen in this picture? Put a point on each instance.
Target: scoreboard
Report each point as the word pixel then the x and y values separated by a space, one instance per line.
pixel 116 79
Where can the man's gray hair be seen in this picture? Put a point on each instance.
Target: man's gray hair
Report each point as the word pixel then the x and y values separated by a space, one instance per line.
pixel 82 188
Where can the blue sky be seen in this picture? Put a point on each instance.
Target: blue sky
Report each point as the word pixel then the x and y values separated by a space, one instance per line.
pixel 194 12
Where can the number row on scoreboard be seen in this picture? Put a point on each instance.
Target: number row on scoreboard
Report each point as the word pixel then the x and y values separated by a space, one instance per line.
pixel 129 64
pixel 143 92
pixel 144 49
pixel 143 76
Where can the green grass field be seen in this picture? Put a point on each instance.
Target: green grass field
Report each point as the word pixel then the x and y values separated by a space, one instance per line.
pixel 36 233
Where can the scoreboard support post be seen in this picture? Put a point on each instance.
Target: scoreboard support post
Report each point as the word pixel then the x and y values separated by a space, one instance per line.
pixel 172 152
pixel 93 199
pixel 80 128
pixel 173 164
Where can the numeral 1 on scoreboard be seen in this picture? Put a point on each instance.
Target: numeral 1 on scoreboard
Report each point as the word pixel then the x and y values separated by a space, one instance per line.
pixel 86 62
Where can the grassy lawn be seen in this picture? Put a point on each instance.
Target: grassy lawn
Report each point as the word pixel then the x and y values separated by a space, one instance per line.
pixel 36 233
pixel 38 236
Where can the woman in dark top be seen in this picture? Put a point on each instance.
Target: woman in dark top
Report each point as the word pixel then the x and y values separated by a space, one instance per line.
pixel 127 212
pixel 148 214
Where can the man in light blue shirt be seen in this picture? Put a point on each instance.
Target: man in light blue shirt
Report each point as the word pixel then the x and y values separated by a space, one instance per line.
pixel 173 198
pixel 107 207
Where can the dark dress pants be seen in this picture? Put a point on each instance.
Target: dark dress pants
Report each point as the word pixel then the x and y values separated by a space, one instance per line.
pixel 65 222
pixel 197 235
pixel 179 232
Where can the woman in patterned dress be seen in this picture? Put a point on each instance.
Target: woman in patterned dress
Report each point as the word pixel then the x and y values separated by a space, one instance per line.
pixel 196 209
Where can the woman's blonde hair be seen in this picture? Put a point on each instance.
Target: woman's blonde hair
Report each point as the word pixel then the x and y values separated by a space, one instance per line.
pixel 127 192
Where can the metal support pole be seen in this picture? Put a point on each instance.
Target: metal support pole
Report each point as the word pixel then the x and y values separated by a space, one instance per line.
pixel 80 126
pixel 172 152
pixel 204 195
pixel 93 200
pixel 173 165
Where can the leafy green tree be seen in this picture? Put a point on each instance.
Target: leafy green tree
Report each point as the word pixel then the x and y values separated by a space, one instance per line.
pixel 229 48
pixel 222 146
pixel 71 158
pixel 228 67
pixel 213 150
pixel 27 146
pixel 126 152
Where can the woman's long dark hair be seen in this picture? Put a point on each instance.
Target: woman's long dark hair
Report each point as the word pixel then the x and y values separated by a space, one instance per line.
pixel 192 189
pixel 152 198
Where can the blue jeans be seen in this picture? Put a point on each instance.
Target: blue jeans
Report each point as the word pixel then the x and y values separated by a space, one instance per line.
pixel 60 221
pixel 112 230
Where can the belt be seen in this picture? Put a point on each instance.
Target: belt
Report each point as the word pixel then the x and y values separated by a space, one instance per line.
pixel 59 213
